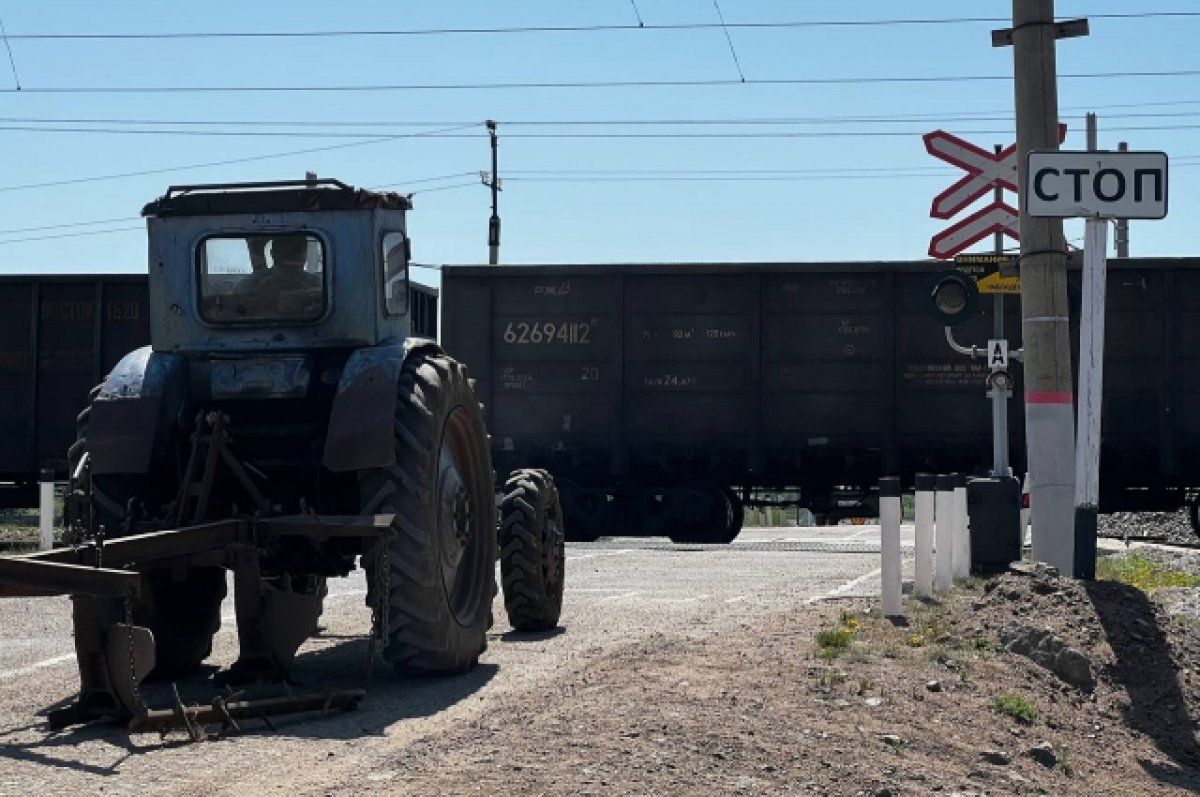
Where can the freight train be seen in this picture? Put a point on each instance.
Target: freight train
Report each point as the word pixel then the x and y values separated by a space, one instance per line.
pixel 662 397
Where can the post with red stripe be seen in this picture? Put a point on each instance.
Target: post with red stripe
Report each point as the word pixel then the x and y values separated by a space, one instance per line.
pixel 889 547
pixel 923 546
pixel 1097 185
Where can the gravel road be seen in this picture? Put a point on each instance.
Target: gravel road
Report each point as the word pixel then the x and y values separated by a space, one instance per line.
pixel 620 592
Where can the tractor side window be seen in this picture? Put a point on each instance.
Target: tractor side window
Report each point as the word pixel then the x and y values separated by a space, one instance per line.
pixel 395 273
pixel 277 277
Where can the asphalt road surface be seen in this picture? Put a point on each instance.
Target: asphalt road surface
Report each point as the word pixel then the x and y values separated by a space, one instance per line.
pixel 619 591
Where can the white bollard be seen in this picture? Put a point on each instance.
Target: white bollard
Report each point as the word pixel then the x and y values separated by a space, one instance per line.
pixel 889 545
pixel 961 557
pixel 923 550
pixel 944 516
pixel 46 510
pixel 1025 511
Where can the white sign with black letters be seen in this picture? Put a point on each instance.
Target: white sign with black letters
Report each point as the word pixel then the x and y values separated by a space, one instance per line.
pixel 1109 185
pixel 998 355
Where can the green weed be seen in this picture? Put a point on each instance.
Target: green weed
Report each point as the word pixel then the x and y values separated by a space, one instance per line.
pixel 1138 571
pixel 1016 707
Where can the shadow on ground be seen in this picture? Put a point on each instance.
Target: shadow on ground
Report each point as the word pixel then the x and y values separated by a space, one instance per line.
pixel 343 665
pixel 1147 671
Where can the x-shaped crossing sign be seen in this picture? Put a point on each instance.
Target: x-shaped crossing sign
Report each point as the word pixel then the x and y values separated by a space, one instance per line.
pixel 985 170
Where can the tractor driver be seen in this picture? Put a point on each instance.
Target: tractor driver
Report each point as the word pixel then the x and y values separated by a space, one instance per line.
pixel 285 289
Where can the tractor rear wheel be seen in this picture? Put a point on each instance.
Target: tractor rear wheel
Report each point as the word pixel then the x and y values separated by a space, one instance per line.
pixel 532 554
pixel 183 611
pixel 438 577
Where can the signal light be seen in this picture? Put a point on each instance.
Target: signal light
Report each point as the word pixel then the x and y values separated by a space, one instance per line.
pixel 1000 380
pixel 953 298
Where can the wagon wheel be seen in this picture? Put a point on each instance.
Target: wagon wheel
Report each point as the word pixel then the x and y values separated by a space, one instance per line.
pixel 1193 507
pixel 708 519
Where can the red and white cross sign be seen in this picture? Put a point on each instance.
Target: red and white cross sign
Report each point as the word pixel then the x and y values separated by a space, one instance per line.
pixel 996 217
pixel 984 170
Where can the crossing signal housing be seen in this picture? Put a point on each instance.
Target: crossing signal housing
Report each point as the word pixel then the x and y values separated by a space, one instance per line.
pixel 952 298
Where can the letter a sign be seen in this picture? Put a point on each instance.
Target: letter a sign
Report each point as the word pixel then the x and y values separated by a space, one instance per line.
pixel 998 355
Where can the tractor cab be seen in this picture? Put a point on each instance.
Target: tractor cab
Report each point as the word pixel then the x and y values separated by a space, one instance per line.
pixel 272 266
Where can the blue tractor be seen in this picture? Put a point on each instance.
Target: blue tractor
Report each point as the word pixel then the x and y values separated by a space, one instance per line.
pixel 285 424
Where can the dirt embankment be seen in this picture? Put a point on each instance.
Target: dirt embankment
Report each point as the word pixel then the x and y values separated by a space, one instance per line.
pixel 1026 683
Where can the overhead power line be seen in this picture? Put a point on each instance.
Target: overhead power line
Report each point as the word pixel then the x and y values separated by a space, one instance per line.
pixel 375 135
pixel 227 162
pixel 931 117
pixel 71 235
pixel 729 40
pixel 126 219
pixel 599 28
pixel 12 62
pixel 589 84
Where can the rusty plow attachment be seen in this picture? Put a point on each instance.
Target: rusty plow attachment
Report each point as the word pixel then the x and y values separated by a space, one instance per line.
pixel 107 579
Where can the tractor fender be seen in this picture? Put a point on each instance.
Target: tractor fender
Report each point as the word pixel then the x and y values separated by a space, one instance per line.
pixel 137 404
pixel 361 423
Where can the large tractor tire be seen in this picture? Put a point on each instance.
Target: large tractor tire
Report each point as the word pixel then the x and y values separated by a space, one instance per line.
pixel 182 610
pixel 532 551
pixel 439 575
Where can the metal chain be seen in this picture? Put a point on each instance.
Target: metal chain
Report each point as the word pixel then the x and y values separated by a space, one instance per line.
pixel 380 621
pixel 140 704
pixel 383 585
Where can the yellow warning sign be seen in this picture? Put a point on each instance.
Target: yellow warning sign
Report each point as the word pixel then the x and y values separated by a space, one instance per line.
pixel 989 272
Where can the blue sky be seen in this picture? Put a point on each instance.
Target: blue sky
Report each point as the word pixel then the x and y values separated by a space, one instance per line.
pixel 813 196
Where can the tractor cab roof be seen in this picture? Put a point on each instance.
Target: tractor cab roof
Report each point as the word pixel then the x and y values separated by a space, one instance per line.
pixel 271 197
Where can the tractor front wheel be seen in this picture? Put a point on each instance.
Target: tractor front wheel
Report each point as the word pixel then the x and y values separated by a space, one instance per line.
pixel 532 553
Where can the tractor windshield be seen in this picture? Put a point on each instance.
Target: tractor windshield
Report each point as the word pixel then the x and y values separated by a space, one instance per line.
pixel 262 278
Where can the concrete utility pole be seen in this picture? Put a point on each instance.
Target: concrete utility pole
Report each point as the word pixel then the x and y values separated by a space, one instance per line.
pixel 1045 323
pixel 493 182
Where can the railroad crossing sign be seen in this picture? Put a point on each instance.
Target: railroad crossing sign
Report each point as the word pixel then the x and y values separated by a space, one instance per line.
pixel 996 217
pixel 985 170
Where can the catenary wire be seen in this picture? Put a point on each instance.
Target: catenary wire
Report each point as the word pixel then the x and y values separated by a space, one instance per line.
pixel 228 162
pixel 595 28
pixel 989 115
pixel 376 136
pixel 589 84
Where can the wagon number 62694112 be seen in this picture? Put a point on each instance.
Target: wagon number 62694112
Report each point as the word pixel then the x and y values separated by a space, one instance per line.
pixel 522 332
